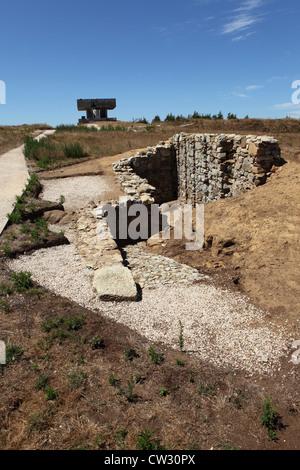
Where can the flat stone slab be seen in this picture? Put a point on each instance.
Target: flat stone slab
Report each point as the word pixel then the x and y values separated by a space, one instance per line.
pixel 115 283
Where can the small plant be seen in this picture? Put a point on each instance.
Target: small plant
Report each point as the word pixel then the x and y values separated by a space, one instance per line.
pixel 180 339
pixel 130 354
pixel 97 343
pixel 145 441
pixel 5 290
pixel 163 392
pixel 22 281
pixel 76 379
pixel 270 419
pixel 206 389
pixel 13 352
pixel 237 400
pixel 179 362
pixel 51 394
pixel 6 250
pixel 76 322
pixel 131 397
pixel 139 379
pixel 62 199
pixel 37 421
pixel 191 379
pixel 113 380
pixel 4 305
pixel 155 357
pixel 120 436
pixel 226 446
pixel 98 440
pixel 41 382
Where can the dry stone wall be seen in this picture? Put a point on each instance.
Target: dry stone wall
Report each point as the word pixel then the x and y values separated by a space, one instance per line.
pixel 198 168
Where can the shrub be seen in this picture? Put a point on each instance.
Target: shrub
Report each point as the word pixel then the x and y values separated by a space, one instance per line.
pixel 73 150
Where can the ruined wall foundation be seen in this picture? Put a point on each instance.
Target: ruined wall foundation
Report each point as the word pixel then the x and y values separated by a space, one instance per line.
pixel 198 168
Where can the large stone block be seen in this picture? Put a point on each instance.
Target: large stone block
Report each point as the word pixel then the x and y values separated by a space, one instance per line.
pixel 115 283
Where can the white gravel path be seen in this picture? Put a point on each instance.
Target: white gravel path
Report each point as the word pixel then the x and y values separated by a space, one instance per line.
pixel 220 327
pixel 78 191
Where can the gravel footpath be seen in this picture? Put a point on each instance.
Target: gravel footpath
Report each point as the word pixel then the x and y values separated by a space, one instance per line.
pixel 219 326
pixel 78 191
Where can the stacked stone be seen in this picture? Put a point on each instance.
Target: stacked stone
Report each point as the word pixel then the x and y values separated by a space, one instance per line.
pixel 150 176
pixel 198 168
pixel 210 167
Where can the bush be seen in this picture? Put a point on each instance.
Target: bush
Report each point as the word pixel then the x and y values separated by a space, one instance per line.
pixel 73 150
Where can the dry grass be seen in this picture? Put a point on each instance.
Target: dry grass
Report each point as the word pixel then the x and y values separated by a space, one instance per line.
pixel 12 136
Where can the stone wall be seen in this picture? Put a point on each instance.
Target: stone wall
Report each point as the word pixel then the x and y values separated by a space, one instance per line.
pixel 197 168
pixel 150 176
pixel 212 166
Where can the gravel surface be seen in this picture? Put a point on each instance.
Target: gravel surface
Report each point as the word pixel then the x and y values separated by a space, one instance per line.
pixel 219 326
pixel 78 191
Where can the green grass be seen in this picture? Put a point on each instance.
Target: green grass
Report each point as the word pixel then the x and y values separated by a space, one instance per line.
pixel 22 281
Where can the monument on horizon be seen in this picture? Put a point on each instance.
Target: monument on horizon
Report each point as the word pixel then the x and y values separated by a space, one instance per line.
pixel 96 109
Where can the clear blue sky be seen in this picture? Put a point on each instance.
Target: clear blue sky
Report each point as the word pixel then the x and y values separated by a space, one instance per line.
pixel 156 57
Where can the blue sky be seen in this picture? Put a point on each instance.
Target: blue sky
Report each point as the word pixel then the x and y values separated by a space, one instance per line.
pixel 158 57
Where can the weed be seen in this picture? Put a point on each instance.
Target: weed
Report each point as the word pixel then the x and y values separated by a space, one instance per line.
pixel 5 306
pixel 37 421
pixel 163 392
pixel 6 250
pixel 51 394
pixel 139 379
pixel 5 290
pixel 237 400
pixel 62 199
pixel 97 343
pixel 22 281
pixel 270 419
pixel 41 382
pixel 131 397
pixel 179 362
pixel 206 389
pixel 24 229
pixel 113 380
pixel 130 354
pixel 180 339
pixel 13 352
pixel 76 322
pixel 145 441
pixel 73 150
pixel 76 379
pixel 155 357
pixel 226 446
pixel 120 436
pixel 191 379
pixel 98 440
